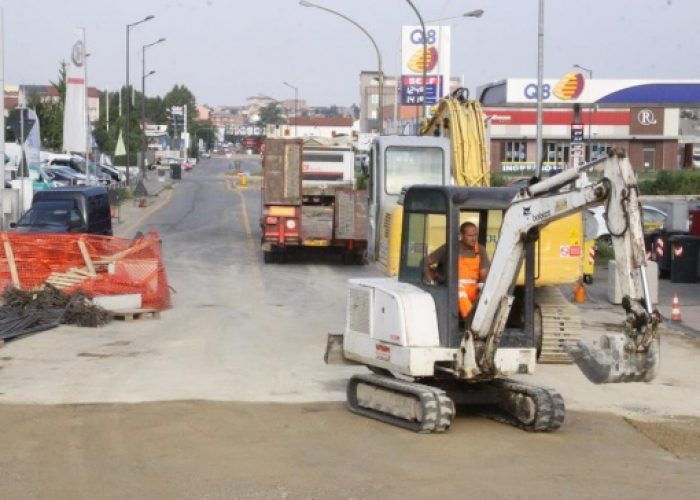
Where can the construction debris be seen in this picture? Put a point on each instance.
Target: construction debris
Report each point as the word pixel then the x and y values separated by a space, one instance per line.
pixel 28 312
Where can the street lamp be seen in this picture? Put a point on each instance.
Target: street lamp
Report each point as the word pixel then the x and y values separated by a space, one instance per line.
pixel 540 78
pixel 296 107
pixel 589 71
pixel 143 103
pixel 380 113
pixel 143 122
pixel 477 13
pixel 471 13
pixel 128 97
pixel 425 62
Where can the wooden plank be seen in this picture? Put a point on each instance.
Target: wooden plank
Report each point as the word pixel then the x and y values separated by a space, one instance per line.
pixel 135 314
pixel 80 272
pixel 86 257
pixel 11 261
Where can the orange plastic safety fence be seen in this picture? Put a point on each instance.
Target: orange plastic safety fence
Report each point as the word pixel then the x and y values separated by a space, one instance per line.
pixel 122 265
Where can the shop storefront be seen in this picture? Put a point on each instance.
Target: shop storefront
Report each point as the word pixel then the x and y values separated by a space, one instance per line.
pixel 582 118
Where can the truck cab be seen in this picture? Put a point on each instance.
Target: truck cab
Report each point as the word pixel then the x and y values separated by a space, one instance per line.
pixel 397 162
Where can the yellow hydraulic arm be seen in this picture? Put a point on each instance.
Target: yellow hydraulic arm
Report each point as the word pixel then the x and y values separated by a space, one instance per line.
pixel 464 122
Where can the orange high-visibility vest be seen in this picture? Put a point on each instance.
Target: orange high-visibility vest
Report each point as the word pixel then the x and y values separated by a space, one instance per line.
pixel 469 270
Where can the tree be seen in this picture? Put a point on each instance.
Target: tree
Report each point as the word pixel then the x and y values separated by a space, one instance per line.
pixel 271 115
pixel 50 114
pixel 355 111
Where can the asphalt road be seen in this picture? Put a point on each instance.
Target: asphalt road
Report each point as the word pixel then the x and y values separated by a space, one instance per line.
pixel 227 396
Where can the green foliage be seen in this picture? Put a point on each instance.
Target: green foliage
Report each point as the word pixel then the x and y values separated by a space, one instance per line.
pixel 50 114
pixel 679 182
pixel 498 180
pixel 180 95
pixel 604 252
pixel 271 115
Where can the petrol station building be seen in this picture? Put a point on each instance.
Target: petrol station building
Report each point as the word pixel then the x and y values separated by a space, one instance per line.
pixel 583 117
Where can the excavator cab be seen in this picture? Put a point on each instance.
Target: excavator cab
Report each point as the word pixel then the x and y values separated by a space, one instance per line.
pixel 432 218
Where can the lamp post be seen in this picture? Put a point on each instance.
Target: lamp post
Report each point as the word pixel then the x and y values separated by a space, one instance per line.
pixel 540 72
pixel 424 65
pixel 143 121
pixel 380 100
pixel 296 107
pixel 472 13
pixel 143 103
pixel 589 71
pixel 128 97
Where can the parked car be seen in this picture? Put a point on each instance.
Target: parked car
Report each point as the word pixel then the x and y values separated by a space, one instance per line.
pixel 109 171
pixel 39 179
pixel 82 209
pixel 653 219
pixel 76 163
pixel 65 176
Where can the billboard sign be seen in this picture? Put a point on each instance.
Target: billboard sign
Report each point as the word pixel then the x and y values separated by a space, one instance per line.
pixel 575 88
pixel 434 62
pixel 414 92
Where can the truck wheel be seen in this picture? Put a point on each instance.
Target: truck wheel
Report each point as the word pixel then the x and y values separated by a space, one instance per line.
pixel 361 258
pixel 347 258
pixel 587 279
pixel 268 258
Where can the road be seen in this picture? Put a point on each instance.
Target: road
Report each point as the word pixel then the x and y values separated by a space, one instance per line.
pixel 227 395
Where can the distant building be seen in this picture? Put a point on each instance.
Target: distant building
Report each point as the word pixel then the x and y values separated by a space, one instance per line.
pixel 227 119
pixel 303 126
pixel 203 112
pixel 48 93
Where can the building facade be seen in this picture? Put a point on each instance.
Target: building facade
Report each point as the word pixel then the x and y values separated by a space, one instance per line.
pixel 584 117
pixel 318 126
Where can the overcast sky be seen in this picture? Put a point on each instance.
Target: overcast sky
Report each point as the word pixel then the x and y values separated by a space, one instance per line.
pixel 227 50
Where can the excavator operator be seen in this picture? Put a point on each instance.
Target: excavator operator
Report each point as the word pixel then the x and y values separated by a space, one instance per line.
pixel 473 267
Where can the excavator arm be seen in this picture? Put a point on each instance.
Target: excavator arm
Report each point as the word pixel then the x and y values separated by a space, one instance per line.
pixel 631 355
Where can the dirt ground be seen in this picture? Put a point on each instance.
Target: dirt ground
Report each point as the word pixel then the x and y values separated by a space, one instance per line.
pixel 243 450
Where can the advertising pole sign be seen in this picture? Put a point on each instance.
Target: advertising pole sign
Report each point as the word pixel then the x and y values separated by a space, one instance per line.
pixel 414 90
pixel 577 147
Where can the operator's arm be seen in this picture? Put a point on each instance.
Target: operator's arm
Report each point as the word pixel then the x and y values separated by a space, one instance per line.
pixel 434 265
pixel 485 263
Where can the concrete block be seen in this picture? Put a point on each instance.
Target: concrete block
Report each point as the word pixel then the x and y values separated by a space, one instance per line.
pixel 119 302
pixel 614 292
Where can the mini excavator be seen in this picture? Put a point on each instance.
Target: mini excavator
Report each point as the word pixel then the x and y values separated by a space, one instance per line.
pixel 425 358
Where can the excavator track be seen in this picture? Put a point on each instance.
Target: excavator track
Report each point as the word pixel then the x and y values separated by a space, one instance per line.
pixel 529 407
pixel 416 407
pixel 560 323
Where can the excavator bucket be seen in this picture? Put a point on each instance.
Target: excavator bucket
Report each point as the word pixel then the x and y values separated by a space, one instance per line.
pixel 613 359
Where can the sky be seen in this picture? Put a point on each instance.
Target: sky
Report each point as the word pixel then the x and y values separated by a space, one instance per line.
pixel 227 50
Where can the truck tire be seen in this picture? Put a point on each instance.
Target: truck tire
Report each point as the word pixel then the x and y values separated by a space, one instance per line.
pixel 268 257
pixel 361 258
pixel 346 257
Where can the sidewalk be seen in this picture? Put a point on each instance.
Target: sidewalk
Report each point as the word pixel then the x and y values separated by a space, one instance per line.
pixel 688 294
pixel 132 213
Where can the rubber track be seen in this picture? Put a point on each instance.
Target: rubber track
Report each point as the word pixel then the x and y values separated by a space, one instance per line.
pixel 561 322
pixel 550 409
pixel 437 408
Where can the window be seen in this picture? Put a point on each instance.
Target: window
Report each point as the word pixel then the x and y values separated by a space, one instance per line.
pixel 596 150
pixel 406 165
pixel 515 151
pixel 426 233
pixel 556 152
